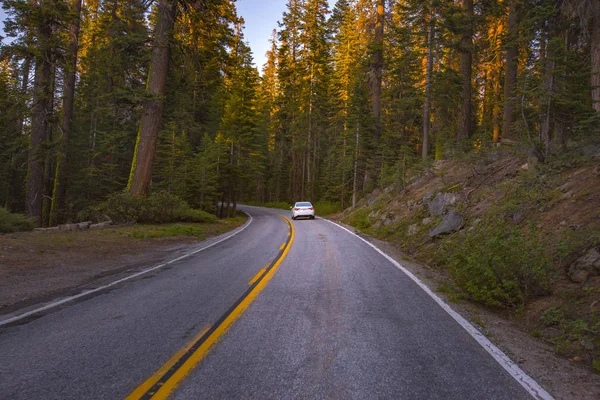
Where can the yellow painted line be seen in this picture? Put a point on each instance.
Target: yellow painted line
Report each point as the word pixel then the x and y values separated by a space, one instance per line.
pixel 167 387
pixel 143 388
pixel 258 275
pixel 282 246
pixel 289 233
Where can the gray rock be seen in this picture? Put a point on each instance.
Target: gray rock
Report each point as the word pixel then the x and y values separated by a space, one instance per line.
pixel 518 216
pixel 439 204
pixel 427 197
pixel 566 187
pixel 451 222
pixel 427 221
pixel 412 230
pixel 585 266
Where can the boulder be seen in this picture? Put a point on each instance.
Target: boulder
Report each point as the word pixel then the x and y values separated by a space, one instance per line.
pixel 439 204
pixel 585 266
pixel 412 230
pixel 451 222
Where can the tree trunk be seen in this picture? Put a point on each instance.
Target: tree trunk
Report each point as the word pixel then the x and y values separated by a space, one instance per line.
pixel 60 180
pixel 548 88
pixel 24 87
pixel 466 61
pixel 429 68
pixel 39 127
pixel 141 167
pixel 512 61
pixel 49 161
pixel 595 54
pixel 355 179
pixel 377 69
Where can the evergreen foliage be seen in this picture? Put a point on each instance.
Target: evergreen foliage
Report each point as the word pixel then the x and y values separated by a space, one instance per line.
pixel 312 126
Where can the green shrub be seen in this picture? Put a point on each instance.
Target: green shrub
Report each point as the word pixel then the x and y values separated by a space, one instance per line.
pixel 159 207
pixel 359 218
pixel 191 215
pixel 11 222
pixel 499 265
pixel 281 205
pixel 325 208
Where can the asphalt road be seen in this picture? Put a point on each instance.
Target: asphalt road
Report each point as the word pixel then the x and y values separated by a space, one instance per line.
pixel 336 320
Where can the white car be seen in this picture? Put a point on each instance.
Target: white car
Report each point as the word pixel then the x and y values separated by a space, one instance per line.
pixel 303 209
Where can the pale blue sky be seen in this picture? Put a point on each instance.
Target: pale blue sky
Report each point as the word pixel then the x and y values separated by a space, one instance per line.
pixel 261 18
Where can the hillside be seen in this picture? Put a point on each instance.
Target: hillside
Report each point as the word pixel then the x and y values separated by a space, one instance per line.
pixel 505 231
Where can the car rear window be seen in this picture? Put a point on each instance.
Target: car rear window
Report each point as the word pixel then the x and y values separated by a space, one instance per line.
pixel 303 204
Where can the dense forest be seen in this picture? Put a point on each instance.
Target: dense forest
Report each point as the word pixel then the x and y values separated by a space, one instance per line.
pixel 109 96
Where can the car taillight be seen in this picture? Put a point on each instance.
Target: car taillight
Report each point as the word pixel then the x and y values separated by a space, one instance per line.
pixel 296 208
pixel 311 208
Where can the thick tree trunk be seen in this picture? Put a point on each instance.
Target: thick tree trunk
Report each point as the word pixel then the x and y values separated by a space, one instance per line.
pixel 377 68
pixel 466 61
pixel 429 68
pixel 39 127
pixel 595 53
pixel 141 167
pixel 512 61
pixel 62 158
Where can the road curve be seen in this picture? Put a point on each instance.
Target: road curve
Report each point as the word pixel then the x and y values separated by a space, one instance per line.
pixel 337 320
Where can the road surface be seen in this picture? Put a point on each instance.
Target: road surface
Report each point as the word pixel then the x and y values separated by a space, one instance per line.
pixel 308 311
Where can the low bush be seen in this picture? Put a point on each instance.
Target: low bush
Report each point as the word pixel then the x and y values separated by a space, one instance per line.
pixel 359 219
pixel 191 215
pixel 325 208
pixel 12 222
pixel 159 207
pixel 500 266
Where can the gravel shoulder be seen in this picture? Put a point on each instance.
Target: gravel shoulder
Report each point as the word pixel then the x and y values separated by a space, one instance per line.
pixel 43 265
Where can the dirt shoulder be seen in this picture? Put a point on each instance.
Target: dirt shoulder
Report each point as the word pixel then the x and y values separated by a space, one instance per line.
pixel 42 265
pixel 563 378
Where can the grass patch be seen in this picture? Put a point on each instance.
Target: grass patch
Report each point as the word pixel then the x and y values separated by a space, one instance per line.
pixel 153 232
pixel 11 222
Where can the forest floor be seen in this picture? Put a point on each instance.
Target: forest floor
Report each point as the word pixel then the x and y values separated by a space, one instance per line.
pixel 43 265
pixel 553 336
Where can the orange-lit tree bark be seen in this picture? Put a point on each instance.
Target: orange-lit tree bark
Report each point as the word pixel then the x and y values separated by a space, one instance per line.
pixel 510 78
pixel 58 193
pixel 466 65
pixel 141 166
pixel 377 68
pixel 429 68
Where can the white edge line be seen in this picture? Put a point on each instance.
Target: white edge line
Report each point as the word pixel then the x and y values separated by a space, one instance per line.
pixel 88 292
pixel 513 369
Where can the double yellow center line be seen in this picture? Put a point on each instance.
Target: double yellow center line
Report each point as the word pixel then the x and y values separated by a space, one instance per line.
pixel 165 380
